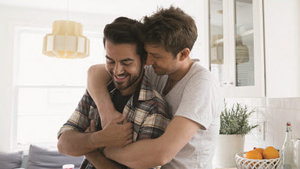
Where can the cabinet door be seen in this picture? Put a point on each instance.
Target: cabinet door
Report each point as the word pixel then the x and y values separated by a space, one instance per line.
pixel 236 46
pixel 282 44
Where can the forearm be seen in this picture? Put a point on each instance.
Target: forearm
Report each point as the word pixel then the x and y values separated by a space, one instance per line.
pixel 141 154
pixel 75 143
pixel 159 151
pixel 99 161
pixel 98 79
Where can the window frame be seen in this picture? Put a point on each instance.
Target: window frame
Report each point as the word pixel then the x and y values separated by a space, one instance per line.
pixel 17 31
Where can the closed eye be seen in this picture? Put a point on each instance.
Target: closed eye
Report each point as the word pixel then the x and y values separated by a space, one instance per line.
pixel 127 63
pixel 109 60
pixel 155 56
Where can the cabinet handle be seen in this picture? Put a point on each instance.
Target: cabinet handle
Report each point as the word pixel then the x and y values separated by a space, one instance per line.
pixel 228 83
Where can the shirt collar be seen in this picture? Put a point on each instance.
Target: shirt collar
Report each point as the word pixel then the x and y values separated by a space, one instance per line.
pixel 146 91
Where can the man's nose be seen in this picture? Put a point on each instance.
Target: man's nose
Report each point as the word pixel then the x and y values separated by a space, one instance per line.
pixel 118 69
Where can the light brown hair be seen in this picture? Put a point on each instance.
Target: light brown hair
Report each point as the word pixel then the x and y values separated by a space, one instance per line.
pixel 172 28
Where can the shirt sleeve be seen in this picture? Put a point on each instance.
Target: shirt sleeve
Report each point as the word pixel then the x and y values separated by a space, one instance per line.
pixel 80 118
pixel 156 121
pixel 197 102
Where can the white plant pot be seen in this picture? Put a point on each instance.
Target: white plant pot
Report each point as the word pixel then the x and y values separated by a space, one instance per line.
pixel 227 147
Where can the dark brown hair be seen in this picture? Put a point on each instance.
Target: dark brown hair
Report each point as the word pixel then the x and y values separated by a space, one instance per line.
pixel 172 28
pixel 124 30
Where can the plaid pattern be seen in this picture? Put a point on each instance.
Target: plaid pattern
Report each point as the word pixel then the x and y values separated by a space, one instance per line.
pixel 146 110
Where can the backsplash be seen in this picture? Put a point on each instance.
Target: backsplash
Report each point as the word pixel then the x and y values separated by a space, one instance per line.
pixel 271 114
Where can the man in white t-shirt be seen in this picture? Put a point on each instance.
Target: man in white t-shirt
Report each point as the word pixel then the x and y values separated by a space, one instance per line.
pixel 192 95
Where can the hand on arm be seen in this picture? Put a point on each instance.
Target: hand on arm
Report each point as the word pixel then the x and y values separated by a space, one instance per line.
pixel 77 143
pixel 99 161
pixel 154 152
pixel 117 133
pixel 97 158
pixel 97 81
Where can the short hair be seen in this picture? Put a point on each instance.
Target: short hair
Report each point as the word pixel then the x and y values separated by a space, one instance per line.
pixel 125 30
pixel 172 28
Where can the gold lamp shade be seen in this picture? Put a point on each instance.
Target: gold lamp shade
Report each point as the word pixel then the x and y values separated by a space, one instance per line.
pixel 66 41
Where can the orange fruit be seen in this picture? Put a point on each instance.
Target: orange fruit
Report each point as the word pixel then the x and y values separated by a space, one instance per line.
pixel 253 155
pixel 260 150
pixel 270 153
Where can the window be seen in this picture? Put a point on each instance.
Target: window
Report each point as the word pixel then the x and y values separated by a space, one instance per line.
pixel 47 89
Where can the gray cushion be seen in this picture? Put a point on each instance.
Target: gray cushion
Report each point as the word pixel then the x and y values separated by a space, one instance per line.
pixel 40 158
pixel 10 160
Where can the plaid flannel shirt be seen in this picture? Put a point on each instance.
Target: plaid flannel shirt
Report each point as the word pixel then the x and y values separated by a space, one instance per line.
pixel 146 110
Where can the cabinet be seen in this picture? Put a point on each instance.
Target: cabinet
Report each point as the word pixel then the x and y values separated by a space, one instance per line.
pixel 237 46
pixel 282 44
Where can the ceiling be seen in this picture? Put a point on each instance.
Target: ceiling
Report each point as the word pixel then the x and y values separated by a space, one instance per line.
pixel 95 6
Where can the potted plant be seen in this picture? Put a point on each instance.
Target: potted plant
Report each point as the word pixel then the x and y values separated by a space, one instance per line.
pixel 234 125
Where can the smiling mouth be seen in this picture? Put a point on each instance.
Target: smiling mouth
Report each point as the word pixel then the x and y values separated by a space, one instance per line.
pixel 120 78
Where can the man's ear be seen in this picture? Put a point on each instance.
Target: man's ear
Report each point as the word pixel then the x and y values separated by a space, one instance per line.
pixel 184 53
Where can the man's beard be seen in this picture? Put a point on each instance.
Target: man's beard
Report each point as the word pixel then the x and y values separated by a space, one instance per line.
pixel 130 82
pixel 124 85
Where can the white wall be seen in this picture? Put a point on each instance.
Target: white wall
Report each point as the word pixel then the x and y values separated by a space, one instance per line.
pixel 282 44
pixel 5 83
pixel 12 16
pixel 275 112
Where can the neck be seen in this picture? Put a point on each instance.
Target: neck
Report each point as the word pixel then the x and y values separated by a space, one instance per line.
pixel 181 71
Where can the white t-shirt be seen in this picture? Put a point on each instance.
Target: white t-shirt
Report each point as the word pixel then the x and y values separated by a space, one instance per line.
pixel 196 97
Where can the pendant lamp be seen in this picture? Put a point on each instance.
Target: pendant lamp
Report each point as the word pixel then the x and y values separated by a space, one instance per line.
pixel 66 40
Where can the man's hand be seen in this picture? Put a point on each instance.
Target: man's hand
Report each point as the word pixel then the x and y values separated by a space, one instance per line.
pixel 107 118
pixel 117 133
pixel 96 157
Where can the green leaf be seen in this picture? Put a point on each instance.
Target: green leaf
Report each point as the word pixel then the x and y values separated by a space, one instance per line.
pixel 235 120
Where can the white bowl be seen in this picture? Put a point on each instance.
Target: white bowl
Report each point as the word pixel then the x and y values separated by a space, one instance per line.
pixel 245 163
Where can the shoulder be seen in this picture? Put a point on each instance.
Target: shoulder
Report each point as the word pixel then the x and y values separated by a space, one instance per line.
pixel 152 101
pixel 150 73
pixel 199 77
pixel 155 104
pixel 155 116
pixel 157 81
pixel 199 72
pixel 159 104
pixel 87 100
